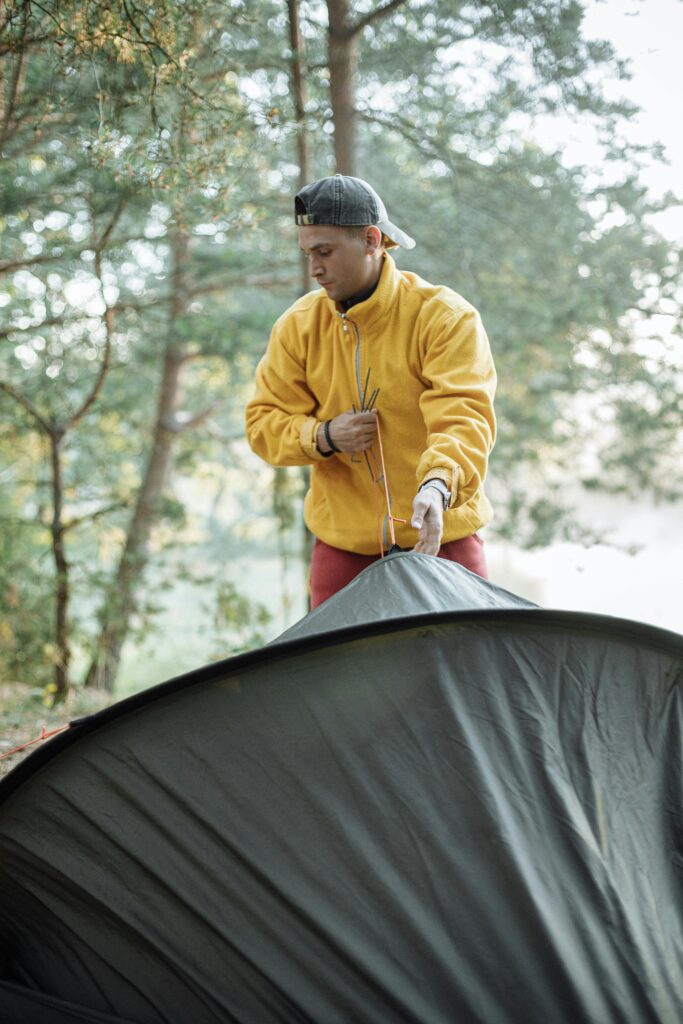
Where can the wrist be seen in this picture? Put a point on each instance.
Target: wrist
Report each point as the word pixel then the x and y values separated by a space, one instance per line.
pixel 440 487
pixel 321 442
pixel 328 436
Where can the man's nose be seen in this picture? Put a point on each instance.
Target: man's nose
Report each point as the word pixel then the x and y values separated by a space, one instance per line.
pixel 316 267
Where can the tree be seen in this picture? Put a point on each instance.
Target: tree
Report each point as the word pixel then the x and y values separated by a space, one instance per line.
pixel 187 129
pixel 35 254
pixel 562 260
pixel 147 112
pixel 56 430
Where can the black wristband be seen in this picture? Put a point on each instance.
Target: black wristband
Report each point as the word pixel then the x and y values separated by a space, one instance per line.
pixel 325 455
pixel 326 431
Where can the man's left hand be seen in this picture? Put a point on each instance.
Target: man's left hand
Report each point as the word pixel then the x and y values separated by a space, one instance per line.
pixel 428 519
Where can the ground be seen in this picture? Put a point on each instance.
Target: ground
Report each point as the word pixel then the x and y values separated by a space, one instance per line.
pixel 24 716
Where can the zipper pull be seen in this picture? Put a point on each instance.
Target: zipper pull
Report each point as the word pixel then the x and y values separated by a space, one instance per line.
pixel 345 325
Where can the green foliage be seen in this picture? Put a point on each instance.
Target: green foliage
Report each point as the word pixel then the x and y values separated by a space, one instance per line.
pixel 25 631
pixel 148 164
pixel 287 495
pixel 238 621
pixel 123 150
pixel 562 260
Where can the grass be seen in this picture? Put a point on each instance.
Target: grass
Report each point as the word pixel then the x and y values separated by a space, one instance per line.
pixel 24 716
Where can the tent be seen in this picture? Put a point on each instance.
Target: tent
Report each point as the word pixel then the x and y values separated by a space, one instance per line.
pixel 430 801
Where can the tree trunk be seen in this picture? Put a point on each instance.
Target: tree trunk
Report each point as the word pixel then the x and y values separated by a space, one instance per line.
pixel 116 616
pixel 343 62
pixel 298 72
pixel 62 657
pixel 343 36
pixel 298 79
pixel 10 86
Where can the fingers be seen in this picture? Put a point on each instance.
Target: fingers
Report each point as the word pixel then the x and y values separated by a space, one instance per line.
pixel 367 417
pixel 427 546
pixel 428 519
pixel 354 431
pixel 428 540
pixel 421 505
pixel 359 417
pixel 364 427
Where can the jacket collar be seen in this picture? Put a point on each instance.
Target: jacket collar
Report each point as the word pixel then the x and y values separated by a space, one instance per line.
pixel 378 304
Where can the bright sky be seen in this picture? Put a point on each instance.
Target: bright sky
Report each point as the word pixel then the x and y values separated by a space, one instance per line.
pixel 650 34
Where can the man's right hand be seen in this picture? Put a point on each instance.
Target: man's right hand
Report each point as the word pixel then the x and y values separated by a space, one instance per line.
pixel 351 431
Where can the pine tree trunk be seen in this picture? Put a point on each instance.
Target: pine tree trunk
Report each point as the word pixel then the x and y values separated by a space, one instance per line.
pixel 121 605
pixel 343 62
pixel 298 73
pixel 298 80
pixel 298 77
pixel 62 656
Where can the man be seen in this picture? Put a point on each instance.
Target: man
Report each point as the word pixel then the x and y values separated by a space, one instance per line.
pixel 384 384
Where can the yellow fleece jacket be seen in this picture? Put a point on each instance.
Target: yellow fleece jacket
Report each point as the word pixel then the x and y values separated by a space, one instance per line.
pixel 421 351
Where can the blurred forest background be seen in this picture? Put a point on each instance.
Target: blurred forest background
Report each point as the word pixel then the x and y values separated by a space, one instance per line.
pixel 149 156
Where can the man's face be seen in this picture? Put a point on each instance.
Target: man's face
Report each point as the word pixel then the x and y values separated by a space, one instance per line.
pixel 342 263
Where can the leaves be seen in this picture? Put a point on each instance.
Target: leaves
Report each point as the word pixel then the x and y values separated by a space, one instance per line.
pixel 148 166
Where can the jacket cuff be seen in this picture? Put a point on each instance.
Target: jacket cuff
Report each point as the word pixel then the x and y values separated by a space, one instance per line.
pixel 451 478
pixel 307 438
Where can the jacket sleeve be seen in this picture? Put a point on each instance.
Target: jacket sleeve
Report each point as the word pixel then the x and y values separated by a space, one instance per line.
pixel 457 403
pixel 281 426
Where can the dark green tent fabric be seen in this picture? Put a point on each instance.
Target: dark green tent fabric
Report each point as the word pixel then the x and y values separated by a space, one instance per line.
pixel 20 1006
pixel 445 816
pixel 404 584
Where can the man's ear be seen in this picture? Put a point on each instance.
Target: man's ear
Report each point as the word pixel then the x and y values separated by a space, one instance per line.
pixel 373 239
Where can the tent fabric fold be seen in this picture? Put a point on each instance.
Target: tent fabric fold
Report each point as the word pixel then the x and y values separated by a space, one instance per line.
pixel 23 1006
pixel 430 801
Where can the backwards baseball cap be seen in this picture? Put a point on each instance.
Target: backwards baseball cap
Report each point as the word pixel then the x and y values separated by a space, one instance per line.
pixel 344 201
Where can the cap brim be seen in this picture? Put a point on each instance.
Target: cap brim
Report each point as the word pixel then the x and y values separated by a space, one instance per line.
pixel 395 234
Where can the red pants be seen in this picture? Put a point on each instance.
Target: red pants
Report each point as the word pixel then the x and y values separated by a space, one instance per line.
pixel 332 568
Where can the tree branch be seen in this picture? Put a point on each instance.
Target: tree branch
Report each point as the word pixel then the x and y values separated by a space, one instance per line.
pixel 97 514
pixel 11 47
pixel 150 45
pixel 176 425
pixel 372 16
pixel 67 252
pixel 8 266
pixel 50 321
pixel 106 359
pixel 246 281
pixel 108 319
pixel 30 408
pixel 61 321
pixel 106 234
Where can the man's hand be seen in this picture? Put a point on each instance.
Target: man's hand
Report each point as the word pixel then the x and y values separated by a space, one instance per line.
pixel 351 431
pixel 428 519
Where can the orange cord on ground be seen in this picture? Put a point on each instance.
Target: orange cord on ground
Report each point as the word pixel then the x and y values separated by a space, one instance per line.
pixel 43 736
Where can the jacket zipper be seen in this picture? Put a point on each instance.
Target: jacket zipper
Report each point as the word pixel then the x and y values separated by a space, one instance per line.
pixel 345 323
pixel 345 326
pixel 358 383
